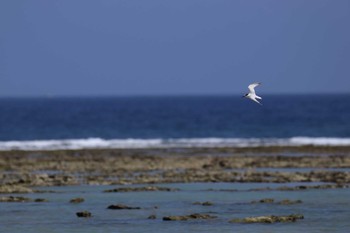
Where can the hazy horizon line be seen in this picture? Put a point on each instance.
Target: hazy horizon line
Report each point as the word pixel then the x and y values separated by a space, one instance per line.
pixel 163 95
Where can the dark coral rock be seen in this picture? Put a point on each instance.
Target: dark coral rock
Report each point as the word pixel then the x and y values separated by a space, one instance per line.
pixel 152 216
pixel 84 214
pixel 41 200
pixel 122 207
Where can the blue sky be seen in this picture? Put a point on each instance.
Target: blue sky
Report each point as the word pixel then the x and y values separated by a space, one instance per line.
pixel 162 47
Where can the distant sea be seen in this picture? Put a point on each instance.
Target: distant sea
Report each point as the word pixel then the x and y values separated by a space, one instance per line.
pixel 173 121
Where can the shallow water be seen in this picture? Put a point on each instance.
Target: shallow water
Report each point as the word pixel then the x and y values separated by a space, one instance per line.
pixel 324 210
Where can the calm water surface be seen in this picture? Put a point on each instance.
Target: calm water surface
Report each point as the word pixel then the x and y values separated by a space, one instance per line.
pixel 324 210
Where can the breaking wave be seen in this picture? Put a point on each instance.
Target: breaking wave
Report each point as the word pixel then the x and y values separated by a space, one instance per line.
pixel 99 143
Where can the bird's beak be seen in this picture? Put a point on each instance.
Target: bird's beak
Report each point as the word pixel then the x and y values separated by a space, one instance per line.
pixel 243 96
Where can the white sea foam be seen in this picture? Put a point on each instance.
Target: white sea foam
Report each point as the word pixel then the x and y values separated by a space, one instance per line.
pixel 98 143
pixel 320 141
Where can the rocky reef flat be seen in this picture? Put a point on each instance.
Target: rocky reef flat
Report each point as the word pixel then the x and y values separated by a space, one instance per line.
pixel 23 170
pixel 229 188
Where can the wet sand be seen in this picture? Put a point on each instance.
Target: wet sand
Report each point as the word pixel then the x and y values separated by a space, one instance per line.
pixel 21 171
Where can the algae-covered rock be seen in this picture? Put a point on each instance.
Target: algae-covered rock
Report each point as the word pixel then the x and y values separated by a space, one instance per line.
pixel 188 217
pixel 283 202
pixel 77 200
pixel 142 189
pixel 207 203
pixel 15 189
pixel 268 219
pixel 289 202
pixel 14 199
pixel 265 200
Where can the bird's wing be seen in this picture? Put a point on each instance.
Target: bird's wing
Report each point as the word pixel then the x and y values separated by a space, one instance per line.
pixel 252 86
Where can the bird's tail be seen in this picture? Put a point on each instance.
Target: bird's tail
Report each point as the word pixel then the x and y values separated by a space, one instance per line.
pixel 256 101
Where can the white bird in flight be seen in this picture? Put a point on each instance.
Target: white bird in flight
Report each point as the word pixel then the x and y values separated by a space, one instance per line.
pixel 251 95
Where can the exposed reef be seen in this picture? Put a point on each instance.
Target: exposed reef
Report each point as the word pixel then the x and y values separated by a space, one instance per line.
pixel 23 170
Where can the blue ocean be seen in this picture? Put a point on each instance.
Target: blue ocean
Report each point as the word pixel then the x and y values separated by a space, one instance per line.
pixel 173 121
